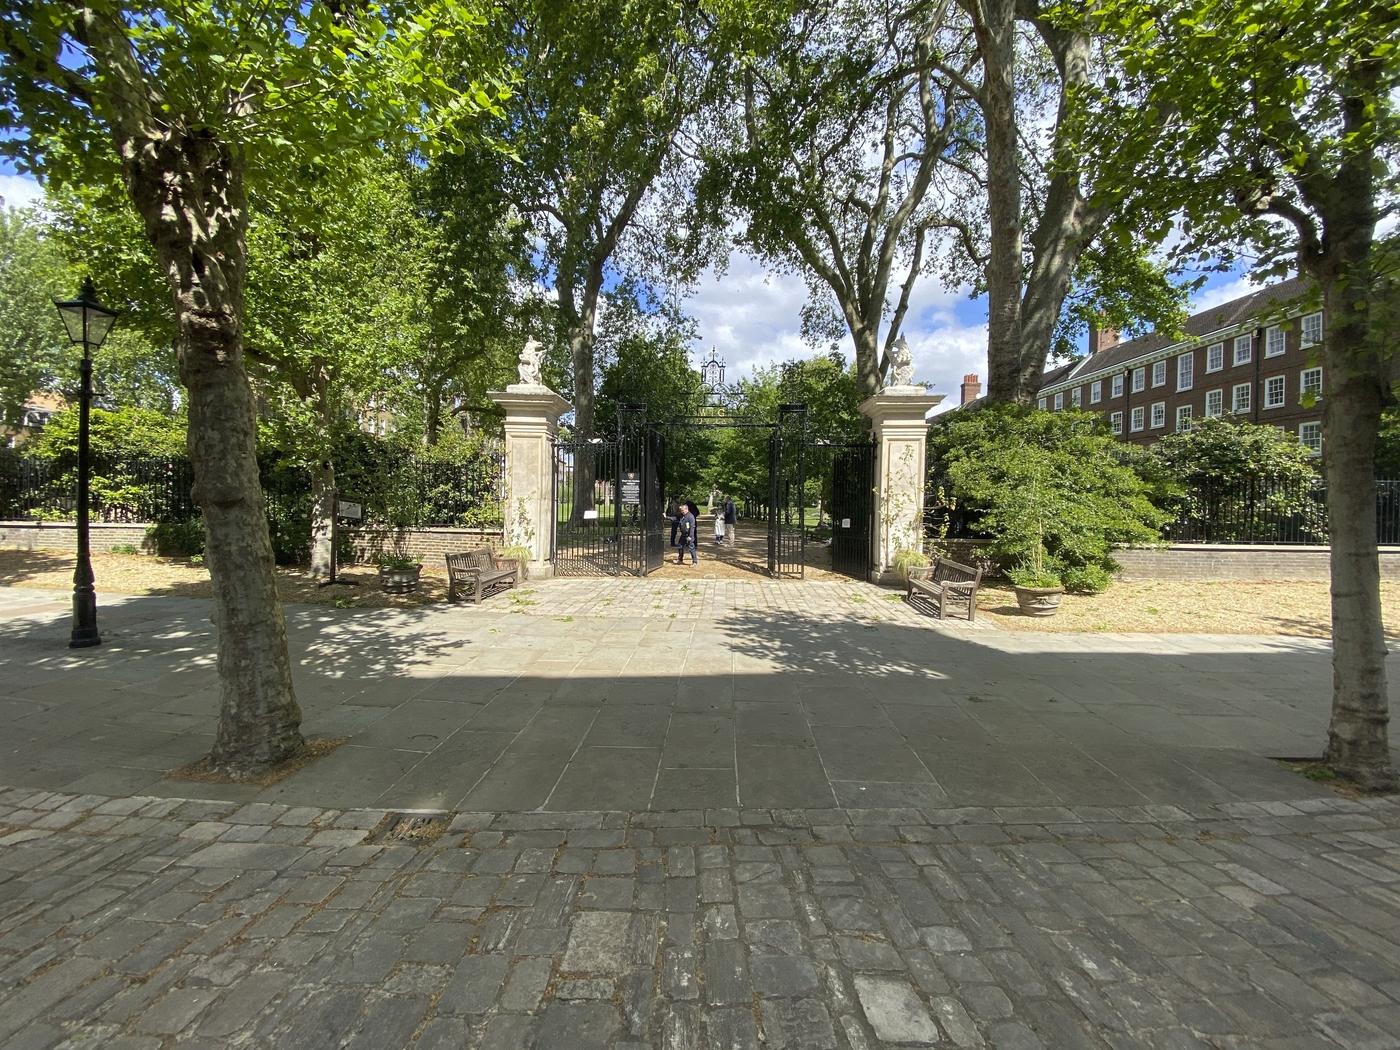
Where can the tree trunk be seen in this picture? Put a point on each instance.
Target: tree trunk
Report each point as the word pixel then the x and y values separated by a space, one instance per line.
pixel 996 38
pixel 1358 738
pixel 581 340
pixel 322 519
pixel 867 344
pixel 432 421
pixel 190 196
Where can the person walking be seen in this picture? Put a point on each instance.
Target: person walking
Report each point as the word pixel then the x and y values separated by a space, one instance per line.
pixel 719 525
pixel 731 519
pixel 687 534
pixel 673 511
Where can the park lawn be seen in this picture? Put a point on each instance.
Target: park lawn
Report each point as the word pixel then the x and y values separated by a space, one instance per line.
pixel 1297 607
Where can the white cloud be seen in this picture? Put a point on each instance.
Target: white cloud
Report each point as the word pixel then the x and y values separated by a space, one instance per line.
pixel 1208 298
pixel 19 191
pixel 752 316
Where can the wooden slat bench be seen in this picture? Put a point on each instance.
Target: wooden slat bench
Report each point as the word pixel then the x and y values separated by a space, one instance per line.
pixel 946 579
pixel 476 573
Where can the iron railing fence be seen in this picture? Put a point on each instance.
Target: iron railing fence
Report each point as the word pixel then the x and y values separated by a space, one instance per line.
pixel 393 489
pixel 1252 511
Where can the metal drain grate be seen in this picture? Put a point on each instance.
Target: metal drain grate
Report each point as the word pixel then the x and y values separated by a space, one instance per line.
pixel 409 829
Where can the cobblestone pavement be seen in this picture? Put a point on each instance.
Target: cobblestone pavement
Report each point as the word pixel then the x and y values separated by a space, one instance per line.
pixel 135 923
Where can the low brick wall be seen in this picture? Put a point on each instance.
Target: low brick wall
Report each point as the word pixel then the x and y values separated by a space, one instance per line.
pixel 1237 562
pixel 431 545
pixel 63 535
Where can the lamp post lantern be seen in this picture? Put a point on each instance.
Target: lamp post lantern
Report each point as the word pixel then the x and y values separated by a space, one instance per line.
pixel 88 323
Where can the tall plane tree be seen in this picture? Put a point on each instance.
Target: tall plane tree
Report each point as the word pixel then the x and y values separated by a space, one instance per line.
pixel 604 90
pixel 1272 126
pixel 197 105
pixel 842 124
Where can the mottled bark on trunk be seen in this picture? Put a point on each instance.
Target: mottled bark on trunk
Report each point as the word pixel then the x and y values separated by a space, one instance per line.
pixel 581 344
pixel 996 38
pixel 188 190
pixel 867 360
pixel 322 519
pixel 1358 737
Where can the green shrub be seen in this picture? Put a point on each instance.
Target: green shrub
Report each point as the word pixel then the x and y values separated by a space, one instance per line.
pixel 1028 576
pixel 907 558
pixel 1051 491
pixel 1087 579
pixel 124 548
pixel 177 539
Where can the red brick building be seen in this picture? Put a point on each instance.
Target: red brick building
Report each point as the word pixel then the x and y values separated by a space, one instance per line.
pixel 1257 358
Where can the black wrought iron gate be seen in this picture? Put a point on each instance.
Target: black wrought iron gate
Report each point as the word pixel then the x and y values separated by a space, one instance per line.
pixel 787 483
pixel 608 502
pixel 852 509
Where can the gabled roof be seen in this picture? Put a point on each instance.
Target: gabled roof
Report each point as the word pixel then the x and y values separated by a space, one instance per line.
pixel 1220 318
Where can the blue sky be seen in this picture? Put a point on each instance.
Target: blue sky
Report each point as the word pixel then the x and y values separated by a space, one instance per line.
pixel 751 314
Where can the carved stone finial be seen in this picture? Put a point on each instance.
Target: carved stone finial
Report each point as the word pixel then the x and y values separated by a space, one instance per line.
pixel 901 371
pixel 529 365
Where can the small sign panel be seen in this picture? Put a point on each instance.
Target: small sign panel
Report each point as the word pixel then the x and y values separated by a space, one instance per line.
pixel 631 488
pixel 348 510
pixel 590 515
pixel 845 523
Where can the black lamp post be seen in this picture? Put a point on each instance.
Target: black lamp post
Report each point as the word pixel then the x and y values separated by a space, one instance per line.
pixel 88 323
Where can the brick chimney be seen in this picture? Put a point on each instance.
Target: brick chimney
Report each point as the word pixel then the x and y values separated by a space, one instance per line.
pixel 1102 338
pixel 971 388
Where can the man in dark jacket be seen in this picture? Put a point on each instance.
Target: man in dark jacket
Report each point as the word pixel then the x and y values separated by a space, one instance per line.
pixel 687 534
pixel 731 518
pixel 673 511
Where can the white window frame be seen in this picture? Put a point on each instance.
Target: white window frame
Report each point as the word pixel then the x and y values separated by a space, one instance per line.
pixel 1040 404
pixel 1183 418
pixel 1215 352
pixel 1185 371
pixel 1235 407
pixel 1272 384
pixel 1139 380
pixel 1275 341
pixel 1303 383
pixel 1136 420
pixel 1243 343
pixel 1315 428
pixel 1159 373
pixel 1115 386
pixel 1115 422
pixel 1312 320
pixel 1219 396
pixel 1159 415
pixel 1076 397
pixel 1059 400
pixel 1096 391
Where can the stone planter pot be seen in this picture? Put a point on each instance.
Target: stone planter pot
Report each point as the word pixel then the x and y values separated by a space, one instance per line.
pixel 399 581
pixel 1039 601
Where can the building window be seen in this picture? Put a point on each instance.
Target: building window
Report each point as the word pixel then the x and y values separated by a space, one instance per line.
pixel 1215 357
pixel 1275 392
pixel 1115 422
pixel 1041 404
pixel 1076 396
pixel 1240 398
pixel 1215 403
pixel 1274 341
pixel 1059 401
pixel 1137 419
pixel 1183 418
pixel 1312 329
pixel 1310 383
pixel 1244 349
pixel 1310 435
pixel 1115 388
pixel 1159 373
pixel 1095 392
pixel 1159 415
pixel 1185 371
pixel 1139 380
